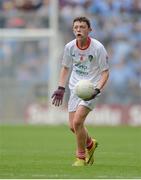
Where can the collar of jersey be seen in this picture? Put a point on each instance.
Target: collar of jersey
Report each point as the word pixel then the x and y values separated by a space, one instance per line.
pixel 88 44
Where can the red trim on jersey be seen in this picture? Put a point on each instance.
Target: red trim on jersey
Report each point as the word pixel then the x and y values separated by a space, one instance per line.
pixel 88 44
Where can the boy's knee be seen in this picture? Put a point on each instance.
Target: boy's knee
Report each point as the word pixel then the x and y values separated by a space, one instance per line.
pixel 77 125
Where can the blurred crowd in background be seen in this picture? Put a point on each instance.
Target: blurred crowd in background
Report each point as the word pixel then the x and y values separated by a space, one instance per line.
pixel 115 23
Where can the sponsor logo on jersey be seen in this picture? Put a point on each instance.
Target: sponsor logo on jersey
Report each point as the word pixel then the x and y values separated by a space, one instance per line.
pixel 81 72
pixel 82 69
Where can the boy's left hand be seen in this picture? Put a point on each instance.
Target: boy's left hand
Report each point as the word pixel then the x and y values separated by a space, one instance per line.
pixel 96 92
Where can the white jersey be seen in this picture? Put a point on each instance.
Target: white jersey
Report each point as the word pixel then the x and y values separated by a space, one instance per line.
pixel 87 63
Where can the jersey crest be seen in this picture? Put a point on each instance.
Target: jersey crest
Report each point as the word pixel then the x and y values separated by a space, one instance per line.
pixel 90 57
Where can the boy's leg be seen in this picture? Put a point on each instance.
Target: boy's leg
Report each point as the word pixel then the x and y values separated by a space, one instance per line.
pixel 80 131
pixel 79 160
pixel 90 144
pixel 71 116
pixel 89 141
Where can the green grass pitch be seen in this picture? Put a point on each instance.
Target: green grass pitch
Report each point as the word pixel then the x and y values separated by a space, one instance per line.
pixel 47 152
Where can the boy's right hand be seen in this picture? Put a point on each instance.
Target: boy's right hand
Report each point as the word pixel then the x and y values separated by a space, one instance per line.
pixel 58 96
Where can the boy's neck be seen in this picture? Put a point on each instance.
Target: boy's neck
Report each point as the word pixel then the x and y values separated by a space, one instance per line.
pixel 83 43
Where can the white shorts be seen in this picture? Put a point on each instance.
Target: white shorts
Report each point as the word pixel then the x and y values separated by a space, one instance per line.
pixel 75 101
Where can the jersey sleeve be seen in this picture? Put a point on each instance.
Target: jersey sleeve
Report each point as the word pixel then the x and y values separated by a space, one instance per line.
pixel 103 59
pixel 67 60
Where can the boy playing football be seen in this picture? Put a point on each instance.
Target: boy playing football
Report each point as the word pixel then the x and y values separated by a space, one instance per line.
pixel 88 59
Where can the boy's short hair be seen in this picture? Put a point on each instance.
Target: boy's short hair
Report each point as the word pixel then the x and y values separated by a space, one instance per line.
pixel 82 19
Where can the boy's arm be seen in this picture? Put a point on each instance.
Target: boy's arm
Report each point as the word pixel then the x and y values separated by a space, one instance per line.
pixel 59 93
pixel 102 82
pixel 63 76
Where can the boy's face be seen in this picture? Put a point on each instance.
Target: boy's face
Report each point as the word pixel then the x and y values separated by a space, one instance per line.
pixel 81 29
